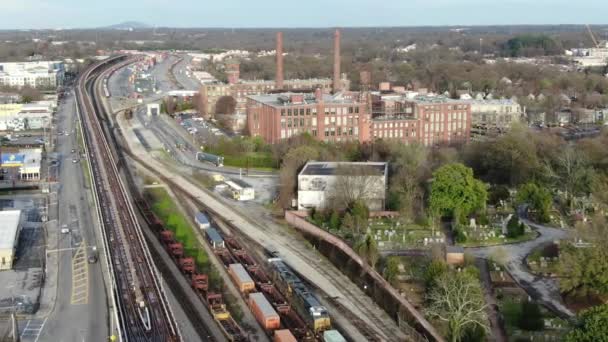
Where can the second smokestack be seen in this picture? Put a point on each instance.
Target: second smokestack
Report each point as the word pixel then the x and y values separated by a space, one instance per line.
pixel 337 86
pixel 279 55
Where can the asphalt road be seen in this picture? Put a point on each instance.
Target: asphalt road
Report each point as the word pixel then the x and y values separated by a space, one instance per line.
pixel 546 290
pixel 80 312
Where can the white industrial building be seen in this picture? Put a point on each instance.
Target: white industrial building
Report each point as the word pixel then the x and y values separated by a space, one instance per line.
pixel 319 181
pixel 10 225
pixel 42 74
pixel 31 116
pixel 240 190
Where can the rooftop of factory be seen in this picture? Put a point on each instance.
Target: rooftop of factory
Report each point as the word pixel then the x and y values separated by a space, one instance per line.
pixel 9 226
pixel 290 98
pixel 313 168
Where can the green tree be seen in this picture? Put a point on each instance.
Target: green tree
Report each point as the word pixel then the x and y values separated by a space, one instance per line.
pixel 592 326
pixel 434 270
pixel 367 248
pixel 530 318
pixel 538 198
pixel 391 270
pixel 572 174
pixel 360 214
pixel 457 299
pixel 334 220
pixel 454 190
pixel 514 228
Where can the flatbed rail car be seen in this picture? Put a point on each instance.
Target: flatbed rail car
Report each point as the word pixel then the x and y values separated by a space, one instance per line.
pixel 233 252
pixel 304 301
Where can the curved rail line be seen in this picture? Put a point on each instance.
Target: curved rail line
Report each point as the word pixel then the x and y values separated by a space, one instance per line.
pixel 142 307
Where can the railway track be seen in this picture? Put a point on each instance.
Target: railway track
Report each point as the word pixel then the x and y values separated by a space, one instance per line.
pixel 143 311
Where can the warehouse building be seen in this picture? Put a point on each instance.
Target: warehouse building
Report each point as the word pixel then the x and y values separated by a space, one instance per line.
pixel 10 225
pixel 320 182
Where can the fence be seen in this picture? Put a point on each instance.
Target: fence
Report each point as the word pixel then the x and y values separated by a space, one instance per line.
pixel 298 220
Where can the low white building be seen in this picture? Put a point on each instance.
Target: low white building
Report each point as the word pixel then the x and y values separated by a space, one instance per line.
pixel 28 162
pixel 41 74
pixel 240 190
pixel 10 225
pixel 318 182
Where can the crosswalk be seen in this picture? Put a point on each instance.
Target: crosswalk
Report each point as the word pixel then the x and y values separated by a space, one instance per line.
pixel 80 276
pixel 30 329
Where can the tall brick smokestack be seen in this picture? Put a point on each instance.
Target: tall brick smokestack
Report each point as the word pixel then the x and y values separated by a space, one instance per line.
pixel 279 49
pixel 337 86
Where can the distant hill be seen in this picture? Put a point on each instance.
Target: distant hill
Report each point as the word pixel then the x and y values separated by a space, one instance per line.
pixel 128 25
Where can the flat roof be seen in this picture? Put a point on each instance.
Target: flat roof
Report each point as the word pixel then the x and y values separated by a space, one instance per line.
pixel 9 226
pixel 240 182
pixel 263 304
pixel 201 217
pixel 313 168
pixel 281 99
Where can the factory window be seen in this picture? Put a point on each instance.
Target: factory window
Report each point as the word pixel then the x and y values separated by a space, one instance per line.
pixel 301 111
pixel 357 110
pixel 314 132
pixel 333 132
pixel 301 122
pixel 307 111
pixel 326 132
pixel 339 131
pixel 314 121
pixel 282 112
pixel 350 110
pixel 289 122
pixel 289 112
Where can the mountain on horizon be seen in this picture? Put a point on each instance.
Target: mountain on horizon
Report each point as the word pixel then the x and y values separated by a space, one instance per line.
pixel 128 25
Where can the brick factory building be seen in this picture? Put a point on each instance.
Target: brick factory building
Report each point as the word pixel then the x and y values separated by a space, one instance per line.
pixel 428 120
pixel 240 89
pixel 339 117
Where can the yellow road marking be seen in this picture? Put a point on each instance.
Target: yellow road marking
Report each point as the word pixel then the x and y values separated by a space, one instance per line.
pixel 80 276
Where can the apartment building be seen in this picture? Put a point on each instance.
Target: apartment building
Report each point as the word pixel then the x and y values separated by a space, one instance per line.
pixel 425 119
pixel 41 74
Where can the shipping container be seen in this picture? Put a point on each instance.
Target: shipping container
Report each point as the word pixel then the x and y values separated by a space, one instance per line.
pixel 214 238
pixel 333 336
pixel 202 220
pixel 283 336
pixel 241 278
pixel 263 311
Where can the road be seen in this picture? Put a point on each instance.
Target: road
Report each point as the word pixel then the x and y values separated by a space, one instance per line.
pixel 546 290
pixel 80 310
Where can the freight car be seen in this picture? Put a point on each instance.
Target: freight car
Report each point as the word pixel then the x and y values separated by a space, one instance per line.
pixel 304 301
pixel 211 158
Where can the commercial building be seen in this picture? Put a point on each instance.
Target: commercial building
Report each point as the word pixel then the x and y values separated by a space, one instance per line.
pixel 31 116
pixel 241 89
pixel 320 182
pixel 41 74
pixel 10 225
pixel 24 164
pixel 338 117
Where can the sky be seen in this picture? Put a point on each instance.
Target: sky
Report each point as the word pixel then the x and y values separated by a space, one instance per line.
pixel 37 14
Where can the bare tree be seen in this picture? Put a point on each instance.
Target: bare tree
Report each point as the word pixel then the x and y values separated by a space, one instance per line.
pixel 457 299
pixel 354 183
pixel 225 105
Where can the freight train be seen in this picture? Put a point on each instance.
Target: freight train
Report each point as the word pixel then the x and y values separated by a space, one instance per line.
pixel 305 302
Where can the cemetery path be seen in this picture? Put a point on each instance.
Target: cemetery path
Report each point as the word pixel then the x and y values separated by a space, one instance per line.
pixel 543 289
